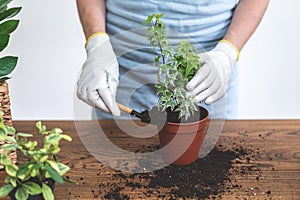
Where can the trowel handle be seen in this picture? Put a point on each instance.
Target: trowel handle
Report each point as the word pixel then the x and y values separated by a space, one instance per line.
pixel 130 111
pixel 124 108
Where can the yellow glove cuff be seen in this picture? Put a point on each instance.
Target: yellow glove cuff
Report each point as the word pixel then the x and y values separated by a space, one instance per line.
pixel 235 48
pixel 94 35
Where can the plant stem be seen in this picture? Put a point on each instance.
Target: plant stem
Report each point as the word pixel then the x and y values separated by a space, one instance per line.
pixel 159 45
pixel 161 52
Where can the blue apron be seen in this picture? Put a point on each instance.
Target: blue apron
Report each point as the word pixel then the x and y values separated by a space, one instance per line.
pixel 202 23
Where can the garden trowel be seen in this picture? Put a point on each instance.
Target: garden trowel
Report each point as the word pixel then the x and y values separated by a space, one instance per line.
pixel 154 116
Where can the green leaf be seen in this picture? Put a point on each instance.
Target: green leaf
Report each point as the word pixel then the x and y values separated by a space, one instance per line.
pixel 9 26
pixel 11 130
pixel 36 166
pixel 188 68
pixel 11 169
pixel 35 152
pixel 24 171
pixel 47 175
pixel 44 158
pixel 24 135
pixel 3 159
pixel 158 16
pixel 55 150
pixel 5 190
pixel 9 146
pixel 4 79
pixel 54 174
pixel 10 13
pixel 3 134
pixel 39 125
pixel 33 188
pixel 56 130
pixel 11 180
pixel 54 165
pixel 63 168
pixel 148 20
pixel 22 193
pixel 3 9
pixel 52 139
pixel 42 128
pixel 3 3
pixel 34 173
pixel 22 141
pixel 47 192
pixel 31 145
pixel 66 137
pixel 3 41
pixel 7 65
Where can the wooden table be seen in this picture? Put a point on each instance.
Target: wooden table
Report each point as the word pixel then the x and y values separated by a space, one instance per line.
pixel 274 167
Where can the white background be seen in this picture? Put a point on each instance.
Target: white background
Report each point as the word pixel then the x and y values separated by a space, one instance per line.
pixel 49 43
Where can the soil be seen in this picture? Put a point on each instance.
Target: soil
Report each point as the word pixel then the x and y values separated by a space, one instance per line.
pixel 198 115
pixel 206 178
pixel 157 117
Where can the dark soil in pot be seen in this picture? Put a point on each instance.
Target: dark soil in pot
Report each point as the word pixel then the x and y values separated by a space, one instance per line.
pixel 49 182
pixel 199 114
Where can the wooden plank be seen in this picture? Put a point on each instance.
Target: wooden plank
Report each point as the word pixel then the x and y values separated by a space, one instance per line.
pixel 270 168
pixel 278 147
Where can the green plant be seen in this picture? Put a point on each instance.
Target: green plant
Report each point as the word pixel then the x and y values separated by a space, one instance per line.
pixel 176 68
pixel 7 26
pixel 40 163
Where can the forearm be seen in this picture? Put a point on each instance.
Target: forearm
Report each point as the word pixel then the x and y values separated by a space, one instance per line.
pixel 245 20
pixel 92 16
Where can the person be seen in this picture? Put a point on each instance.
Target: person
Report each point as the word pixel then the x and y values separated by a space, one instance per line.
pixel 221 28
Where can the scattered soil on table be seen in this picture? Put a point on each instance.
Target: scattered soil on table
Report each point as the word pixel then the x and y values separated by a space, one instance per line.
pixel 208 177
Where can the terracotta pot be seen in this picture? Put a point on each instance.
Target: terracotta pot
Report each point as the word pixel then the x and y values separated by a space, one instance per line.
pixel 181 142
pixel 50 182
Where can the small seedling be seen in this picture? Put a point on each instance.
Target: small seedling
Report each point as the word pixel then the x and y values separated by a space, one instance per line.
pixel 40 163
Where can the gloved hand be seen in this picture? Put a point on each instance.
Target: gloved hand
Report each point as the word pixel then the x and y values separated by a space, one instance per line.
pixel 97 85
pixel 211 81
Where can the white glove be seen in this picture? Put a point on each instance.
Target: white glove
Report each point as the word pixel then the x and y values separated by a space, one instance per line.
pixel 97 85
pixel 211 81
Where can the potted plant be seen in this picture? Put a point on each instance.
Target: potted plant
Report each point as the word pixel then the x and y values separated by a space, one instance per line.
pixel 183 133
pixel 35 178
pixel 7 63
